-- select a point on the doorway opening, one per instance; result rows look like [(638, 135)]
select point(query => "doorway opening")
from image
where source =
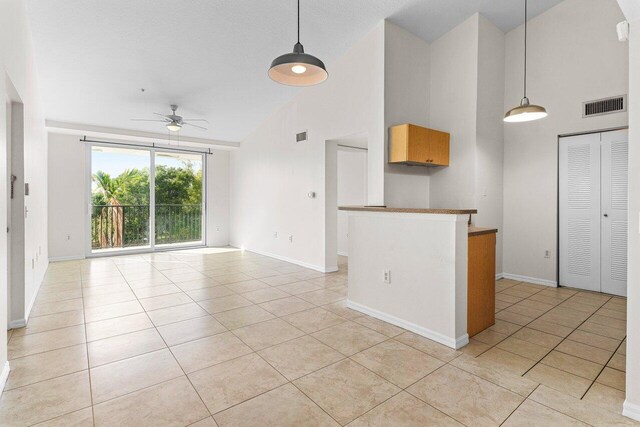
[(347, 166), (145, 199), (18, 270), (5, 195), (352, 190), (593, 216)]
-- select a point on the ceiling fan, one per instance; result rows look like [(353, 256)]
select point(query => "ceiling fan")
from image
[(173, 122)]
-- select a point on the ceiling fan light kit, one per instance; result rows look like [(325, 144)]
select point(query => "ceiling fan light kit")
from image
[(174, 126), (525, 112), (298, 68)]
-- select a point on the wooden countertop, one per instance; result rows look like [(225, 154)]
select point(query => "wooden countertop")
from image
[(409, 210), (478, 231)]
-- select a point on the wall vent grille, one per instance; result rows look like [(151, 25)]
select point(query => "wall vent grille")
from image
[(616, 104), (301, 137)]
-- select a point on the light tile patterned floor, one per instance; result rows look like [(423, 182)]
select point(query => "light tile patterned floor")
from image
[(231, 338)]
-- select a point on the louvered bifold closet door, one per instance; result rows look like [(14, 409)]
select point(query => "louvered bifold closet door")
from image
[(615, 160), (579, 195)]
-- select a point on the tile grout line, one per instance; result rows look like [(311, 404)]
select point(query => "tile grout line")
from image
[(533, 320), (168, 348), (388, 338), (602, 370), (84, 326), (563, 339), (59, 376)]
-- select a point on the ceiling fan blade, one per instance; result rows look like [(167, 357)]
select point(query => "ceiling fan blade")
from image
[(147, 120), (195, 126), (196, 120), (164, 116)]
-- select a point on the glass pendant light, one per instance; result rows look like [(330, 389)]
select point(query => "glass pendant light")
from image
[(298, 68), (526, 111)]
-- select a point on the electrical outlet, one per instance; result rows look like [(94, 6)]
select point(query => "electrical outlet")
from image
[(275, 235), (291, 238), (68, 236), (218, 229), (547, 254), (386, 276)]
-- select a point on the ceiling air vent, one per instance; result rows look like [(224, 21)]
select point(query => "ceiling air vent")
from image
[(301, 137), (616, 104)]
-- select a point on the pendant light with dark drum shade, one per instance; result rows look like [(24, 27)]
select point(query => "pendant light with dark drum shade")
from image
[(526, 111), (298, 68)]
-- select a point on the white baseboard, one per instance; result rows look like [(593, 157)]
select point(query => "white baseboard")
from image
[(4, 375), (27, 312), (66, 258), (534, 280), (499, 276), (18, 323), (427, 333), (343, 253), (319, 268), (631, 410), (21, 323)]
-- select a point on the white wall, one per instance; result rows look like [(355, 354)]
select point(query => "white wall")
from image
[(454, 91), (67, 208), (426, 256), (271, 174), (489, 132), (632, 404), (436, 86), (218, 199), (67, 205), (352, 189), (467, 85), (18, 71), (406, 100), (574, 56)]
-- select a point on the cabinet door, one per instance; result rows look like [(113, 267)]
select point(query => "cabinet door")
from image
[(481, 283), (418, 145), (439, 148)]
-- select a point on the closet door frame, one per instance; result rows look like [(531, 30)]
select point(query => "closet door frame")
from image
[(558, 223)]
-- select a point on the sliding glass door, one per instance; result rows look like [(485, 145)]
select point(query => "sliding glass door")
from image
[(120, 198), (145, 199), (179, 207)]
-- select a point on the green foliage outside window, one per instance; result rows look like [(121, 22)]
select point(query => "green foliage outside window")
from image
[(120, 213)]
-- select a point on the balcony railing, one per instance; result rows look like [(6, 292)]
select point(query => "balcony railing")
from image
[(125, 226)]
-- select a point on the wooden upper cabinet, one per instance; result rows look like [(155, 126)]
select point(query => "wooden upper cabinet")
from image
[(415, 145)]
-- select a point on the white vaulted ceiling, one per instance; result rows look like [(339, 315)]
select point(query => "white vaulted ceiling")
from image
[(209, 56)]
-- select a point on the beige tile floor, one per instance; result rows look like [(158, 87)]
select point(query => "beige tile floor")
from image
[(231, 338)]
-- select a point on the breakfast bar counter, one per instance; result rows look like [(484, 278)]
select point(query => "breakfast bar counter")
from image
[(411, 267)]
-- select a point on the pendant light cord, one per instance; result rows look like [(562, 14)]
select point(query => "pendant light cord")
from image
[(525, 48), (298, 21)]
